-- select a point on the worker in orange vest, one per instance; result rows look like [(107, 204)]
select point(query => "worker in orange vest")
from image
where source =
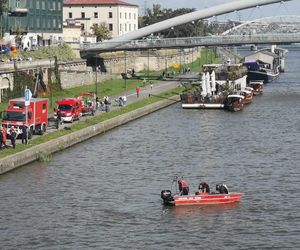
[(183, 187), (4, 132)]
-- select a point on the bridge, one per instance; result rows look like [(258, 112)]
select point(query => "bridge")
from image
[(189, 42), (111, 45)]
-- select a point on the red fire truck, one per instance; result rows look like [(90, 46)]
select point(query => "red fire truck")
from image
[(69, 109), (37, 115)]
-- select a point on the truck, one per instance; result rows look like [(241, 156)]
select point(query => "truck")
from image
[(37, 115), (88, 103), (68, 109)]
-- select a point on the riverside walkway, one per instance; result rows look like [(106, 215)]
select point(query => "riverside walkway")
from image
[(157, 88), (33, 152)]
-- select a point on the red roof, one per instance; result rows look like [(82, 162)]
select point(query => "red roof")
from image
[(97, 2)]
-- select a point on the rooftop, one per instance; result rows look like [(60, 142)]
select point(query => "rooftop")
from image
[(97, 2)]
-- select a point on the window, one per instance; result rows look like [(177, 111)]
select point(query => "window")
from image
[(43, 5), (129, 15), (82, 15), (110, 15), (134, 16), (125, 27), (17, 3), (54, 5), (44, 106), (120, 27), (120, 15), (82, 26), (70, 15), (110, 26), (125, 15), (95, 14)]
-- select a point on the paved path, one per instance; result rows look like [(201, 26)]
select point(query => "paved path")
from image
[(158, 87)]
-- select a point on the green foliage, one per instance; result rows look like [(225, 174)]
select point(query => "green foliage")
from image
[(62, 52), (156, 14), (92, 121), (3, 6), (101, 31), (44, 157)]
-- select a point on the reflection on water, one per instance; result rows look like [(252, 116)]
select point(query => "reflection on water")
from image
[(200, 210), (105, 193)]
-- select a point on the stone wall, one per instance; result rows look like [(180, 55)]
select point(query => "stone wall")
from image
[(76, 73)]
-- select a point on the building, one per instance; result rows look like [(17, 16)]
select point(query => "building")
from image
[(120, 17), (40, 21)]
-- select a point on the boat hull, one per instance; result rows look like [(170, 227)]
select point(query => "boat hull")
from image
[(205, 199), (202, 105), (264, 76)]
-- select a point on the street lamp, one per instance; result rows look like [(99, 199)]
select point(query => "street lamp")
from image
[(50, 82), (96, 72)]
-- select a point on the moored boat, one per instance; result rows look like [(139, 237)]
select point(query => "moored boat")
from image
[(217, 81), (258, 87), (248, 96), (234, 102)]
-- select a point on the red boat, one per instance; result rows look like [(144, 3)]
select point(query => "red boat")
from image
[(234, 103), (199, 199), (258, 87)]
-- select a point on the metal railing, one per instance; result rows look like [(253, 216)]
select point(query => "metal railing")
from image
[(229, 40)]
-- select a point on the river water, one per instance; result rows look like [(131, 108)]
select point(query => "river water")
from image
[(105, 193)]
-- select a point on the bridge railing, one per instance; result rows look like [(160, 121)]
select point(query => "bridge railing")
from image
[(194, 41)]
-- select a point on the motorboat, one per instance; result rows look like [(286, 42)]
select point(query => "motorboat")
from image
[(248, 96), (258, 87), (199, 199), (234, 102)]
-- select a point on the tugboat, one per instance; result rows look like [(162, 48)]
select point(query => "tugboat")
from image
[(222, 196)]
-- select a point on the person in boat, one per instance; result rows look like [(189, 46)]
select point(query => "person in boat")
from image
[(222, 188), (183, 187), (204, 188)]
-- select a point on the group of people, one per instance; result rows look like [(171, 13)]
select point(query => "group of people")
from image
[(104, 105), (203, 188), (11, 134), (121, 101)]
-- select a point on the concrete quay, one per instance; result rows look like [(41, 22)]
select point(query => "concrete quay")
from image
[(32, 154)]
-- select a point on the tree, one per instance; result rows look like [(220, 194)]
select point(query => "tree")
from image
[(3, 6), (3, 9), (101, 31), (156, 14)]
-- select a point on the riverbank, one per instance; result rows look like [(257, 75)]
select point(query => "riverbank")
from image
[(35, 152)]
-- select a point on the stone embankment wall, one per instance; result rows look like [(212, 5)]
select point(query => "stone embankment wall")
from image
[(32, 154)]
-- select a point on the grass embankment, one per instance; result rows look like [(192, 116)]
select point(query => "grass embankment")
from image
[(62, 52), (108, 88), (92, 121)]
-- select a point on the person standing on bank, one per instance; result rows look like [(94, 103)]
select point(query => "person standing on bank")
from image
[(137, 90), (24, 135), (4, 133), (13, 136)]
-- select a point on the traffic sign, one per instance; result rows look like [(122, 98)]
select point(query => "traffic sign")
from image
[(28, 96)]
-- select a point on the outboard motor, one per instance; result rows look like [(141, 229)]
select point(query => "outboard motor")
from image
[(222, 188), (166, 195)]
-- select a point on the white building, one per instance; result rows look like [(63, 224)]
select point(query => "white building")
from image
[(120, 17)]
